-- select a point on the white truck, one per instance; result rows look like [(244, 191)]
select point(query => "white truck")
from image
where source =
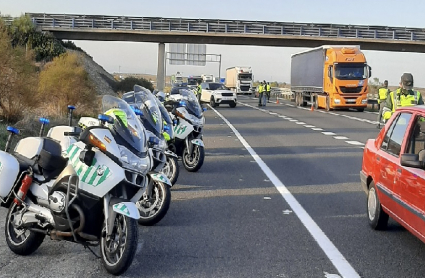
[(239, 79), (207, 78)]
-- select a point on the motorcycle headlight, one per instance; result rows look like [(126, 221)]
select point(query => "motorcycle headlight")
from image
[(133, 162)]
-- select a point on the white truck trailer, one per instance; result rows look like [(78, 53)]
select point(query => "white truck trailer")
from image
[(239, 79)]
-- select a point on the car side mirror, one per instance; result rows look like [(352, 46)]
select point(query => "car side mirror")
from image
[(411, 160)]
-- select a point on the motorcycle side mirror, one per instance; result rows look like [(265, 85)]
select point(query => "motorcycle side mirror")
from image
[(87, 157), (105, 118)]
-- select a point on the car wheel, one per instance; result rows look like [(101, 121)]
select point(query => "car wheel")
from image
[(212, 102), (378, 218), (233, 105), (360, 109), (316, 102)]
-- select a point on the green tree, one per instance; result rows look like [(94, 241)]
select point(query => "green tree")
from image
[(64, 81), (127, 84), (18, 78)]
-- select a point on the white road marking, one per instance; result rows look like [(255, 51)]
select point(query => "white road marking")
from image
[(356, 143), (317, 128), (337, 259), (328, 133), (310, 126), (291, 105), (293, 120), (341, 137), (300, 123)]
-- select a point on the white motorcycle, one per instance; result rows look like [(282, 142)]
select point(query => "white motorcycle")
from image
[(187, 143), (155, 201), (86, 196), (156, 119)]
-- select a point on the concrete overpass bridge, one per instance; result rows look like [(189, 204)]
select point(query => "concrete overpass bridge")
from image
[(228, 32)]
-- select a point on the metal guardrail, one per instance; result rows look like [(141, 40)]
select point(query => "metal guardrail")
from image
[(217, 26)]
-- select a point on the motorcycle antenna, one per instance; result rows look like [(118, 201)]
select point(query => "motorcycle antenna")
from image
[(71, 108), (44, 122)]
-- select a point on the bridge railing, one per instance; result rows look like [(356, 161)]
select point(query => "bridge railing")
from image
[(69, 21)]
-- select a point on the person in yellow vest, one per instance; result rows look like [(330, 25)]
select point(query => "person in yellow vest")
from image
[(402, 97), (199, 91), (383, 93), (260, 93), (268, 91)]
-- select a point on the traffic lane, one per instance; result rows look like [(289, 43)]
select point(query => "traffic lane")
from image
[(352, 129), (338, 206), (227, 220)]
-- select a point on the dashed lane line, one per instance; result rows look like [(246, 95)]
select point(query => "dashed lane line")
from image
[(334, 255)]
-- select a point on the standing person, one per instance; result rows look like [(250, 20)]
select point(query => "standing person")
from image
[(383, 94), (260, 93), (403, 96), (268, 91), (199, 91)]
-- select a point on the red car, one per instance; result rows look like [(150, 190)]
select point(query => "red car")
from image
[(393, 175)]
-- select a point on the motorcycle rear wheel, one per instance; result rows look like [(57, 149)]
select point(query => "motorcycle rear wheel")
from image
[(21, 241)]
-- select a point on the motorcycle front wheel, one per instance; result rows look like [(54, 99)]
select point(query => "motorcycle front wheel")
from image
[(152, 209), (193, 162), (171, 169), (119, 248)]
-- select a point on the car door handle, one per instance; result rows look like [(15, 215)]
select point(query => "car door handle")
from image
[(399, 170), (378, 158)]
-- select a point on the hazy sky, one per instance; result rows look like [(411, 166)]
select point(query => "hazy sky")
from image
[(270, 63)]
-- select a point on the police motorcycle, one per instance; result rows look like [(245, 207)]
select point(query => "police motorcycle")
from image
[(84, 193), (154, 121), (155, 200), (188, 116)]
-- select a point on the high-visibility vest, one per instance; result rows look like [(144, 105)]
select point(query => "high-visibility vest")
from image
[(268, 88), (401, 100), (260, 88), (383, 94), (199, 89)]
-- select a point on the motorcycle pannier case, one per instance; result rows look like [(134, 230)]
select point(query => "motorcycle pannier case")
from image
[(9, 169)]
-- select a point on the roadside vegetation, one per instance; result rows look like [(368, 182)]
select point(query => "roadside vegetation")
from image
[(40, 76)]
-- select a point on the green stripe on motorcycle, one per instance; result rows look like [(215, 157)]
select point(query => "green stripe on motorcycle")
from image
[(103, 178), (71, 157)]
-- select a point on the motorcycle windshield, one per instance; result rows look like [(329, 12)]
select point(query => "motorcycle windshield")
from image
[(144, 100), (166, 117), (192, 104), (127, 129)]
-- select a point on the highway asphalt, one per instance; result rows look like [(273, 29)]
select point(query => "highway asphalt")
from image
[(234, 218)]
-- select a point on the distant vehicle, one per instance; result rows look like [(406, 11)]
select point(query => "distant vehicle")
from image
[(393, 175), (192, 81), (239, 79), (330, 77), (217, 93), (207, 77), (176, 79)]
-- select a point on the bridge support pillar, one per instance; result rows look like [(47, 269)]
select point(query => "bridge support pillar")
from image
[(160, 75)]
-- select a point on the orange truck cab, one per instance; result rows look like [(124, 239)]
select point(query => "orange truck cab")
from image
[(330, 77)]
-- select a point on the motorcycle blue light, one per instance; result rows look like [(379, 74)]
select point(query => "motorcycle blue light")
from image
[(12, 129), (204, 109), (174, 121), (44, 121), (137, 111), (166, 128), (105, 118), (182, 103), (153, 140), (71, 107)]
